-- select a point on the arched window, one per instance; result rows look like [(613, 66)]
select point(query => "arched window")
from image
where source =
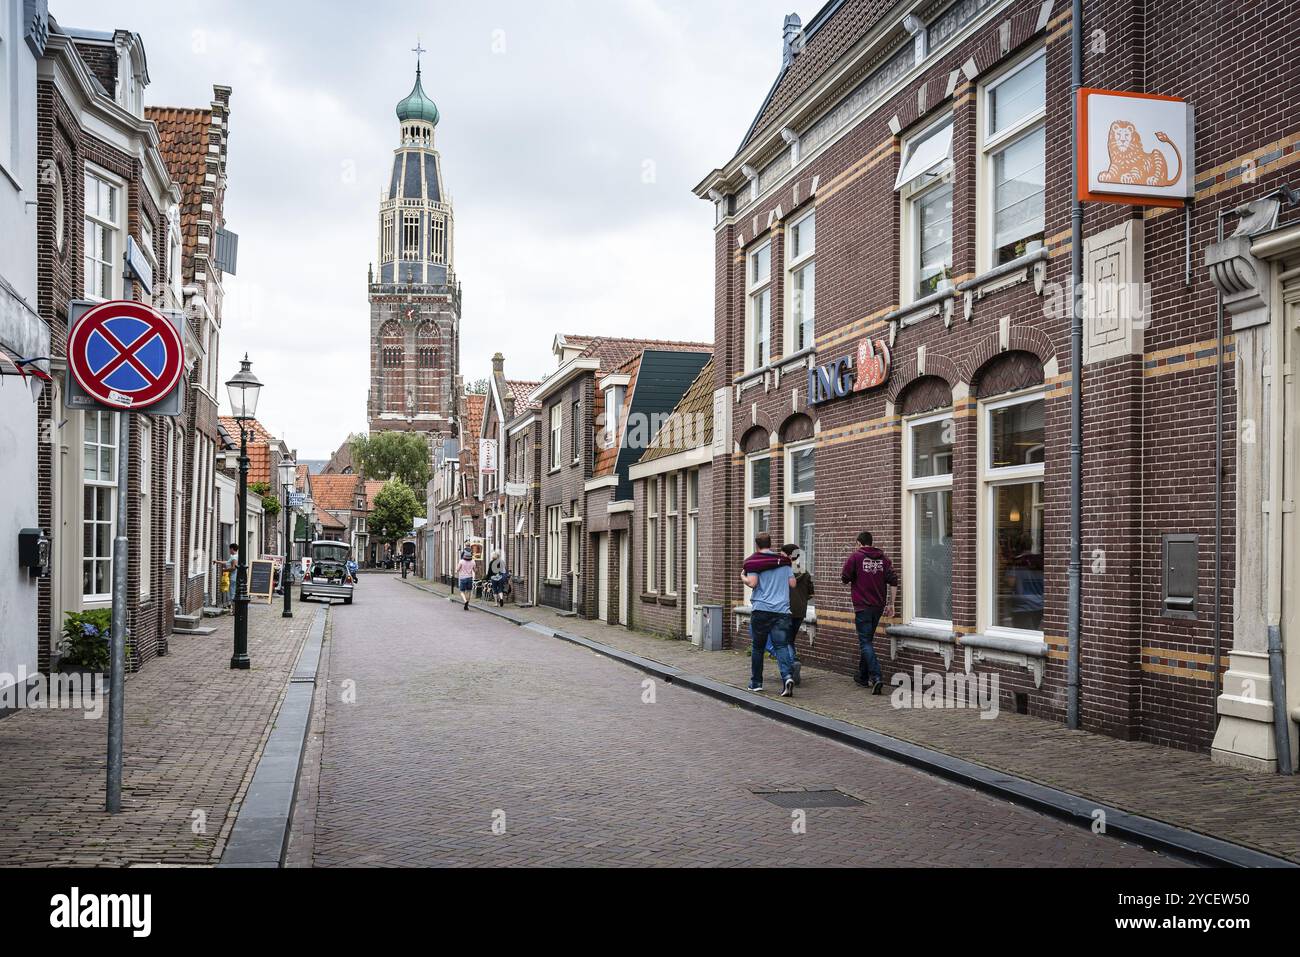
[(426, 349), (392, 359)]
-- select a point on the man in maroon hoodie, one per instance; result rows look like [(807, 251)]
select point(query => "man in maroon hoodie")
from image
[(871, 576)]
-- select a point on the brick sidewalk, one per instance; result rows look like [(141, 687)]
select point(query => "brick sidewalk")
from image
[(1177, 787), (193, 731)]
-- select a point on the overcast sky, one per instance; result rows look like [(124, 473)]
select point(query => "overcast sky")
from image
[(572, 132)]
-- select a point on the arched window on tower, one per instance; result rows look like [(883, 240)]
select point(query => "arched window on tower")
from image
[(437, 239), (392, 359), (410, 236), (387, 251), (426, 348)]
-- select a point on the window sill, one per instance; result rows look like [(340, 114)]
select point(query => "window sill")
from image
[(1027, 653), (927, 307), (751, 374), (553, 582), (649, 598), (1006, 275), (802, 357), (668, 601), (940, 641)]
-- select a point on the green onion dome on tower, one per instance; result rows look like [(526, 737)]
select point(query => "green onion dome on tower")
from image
[(417, 106)]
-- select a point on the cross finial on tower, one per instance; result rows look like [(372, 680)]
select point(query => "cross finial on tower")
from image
[(418, 50)]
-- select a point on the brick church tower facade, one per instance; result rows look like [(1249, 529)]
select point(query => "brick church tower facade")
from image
[(415, 300)]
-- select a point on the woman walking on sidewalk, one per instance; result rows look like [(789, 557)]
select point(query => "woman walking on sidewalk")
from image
[(465, 574), (498, 577)]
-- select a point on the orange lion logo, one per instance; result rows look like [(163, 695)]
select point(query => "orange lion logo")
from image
[(1133, 166)]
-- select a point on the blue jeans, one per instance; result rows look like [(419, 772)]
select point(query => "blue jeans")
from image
[(764, 625), (866, 621)]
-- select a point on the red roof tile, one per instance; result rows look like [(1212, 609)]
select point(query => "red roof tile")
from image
[(474, 416), (335, 492), (183, 142)]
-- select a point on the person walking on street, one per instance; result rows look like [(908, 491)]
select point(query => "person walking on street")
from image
[(871, 577), (767, 572), (800, 592), (465, 576), (498, 577)]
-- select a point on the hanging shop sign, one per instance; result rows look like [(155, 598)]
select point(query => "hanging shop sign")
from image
[(487, 456), (867, 369), (1135, 148)]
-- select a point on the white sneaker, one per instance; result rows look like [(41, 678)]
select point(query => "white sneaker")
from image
[(788, 690)]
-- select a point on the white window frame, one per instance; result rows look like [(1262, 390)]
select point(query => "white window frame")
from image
[(387, 238), (175, 255), (795, 264), (912, 486), (651, 535), (989, 146), (752, 504), (410, 236), (575, 440), (11, 16), (989, 480), (557, 435), (105, 485), (115, 228), (146, 507), (554, 542), (614, 396), (912, 193), (793, 499), (758, 291), (671, 512)]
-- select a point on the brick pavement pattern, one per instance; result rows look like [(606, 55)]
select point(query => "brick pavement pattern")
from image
[(193, 730), (459, 716), (1178, 787)]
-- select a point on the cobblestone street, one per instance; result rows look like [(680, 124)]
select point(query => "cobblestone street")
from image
[(193, 730), (462, 721)]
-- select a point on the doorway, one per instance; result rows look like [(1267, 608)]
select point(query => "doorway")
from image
[(602, 576)]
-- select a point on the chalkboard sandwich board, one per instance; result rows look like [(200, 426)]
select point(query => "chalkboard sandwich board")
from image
[(260, 576)]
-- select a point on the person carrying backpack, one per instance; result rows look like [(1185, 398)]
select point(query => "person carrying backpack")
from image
[(870, 576)]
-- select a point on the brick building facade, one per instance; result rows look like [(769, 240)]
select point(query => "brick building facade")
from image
[(571, 402), (104, 179), (905, 191)]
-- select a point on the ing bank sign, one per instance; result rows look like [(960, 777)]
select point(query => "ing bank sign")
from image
[(868, 369)]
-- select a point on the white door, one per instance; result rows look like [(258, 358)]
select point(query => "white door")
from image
[(624, 579), (692, 572), (602, 576)]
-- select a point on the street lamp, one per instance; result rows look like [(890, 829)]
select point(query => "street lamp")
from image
[(244, 389), (288, 482)]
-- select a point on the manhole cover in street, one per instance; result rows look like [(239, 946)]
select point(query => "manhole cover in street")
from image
[(794, 800)]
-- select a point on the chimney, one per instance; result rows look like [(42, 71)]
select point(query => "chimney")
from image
[(792, 37), (498, 363)]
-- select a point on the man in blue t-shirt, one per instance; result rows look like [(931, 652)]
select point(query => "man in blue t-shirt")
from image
[(767, 572)]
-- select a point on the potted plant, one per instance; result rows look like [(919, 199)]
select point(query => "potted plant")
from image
[(84, 647)]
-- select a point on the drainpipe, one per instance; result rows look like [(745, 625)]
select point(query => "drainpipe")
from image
[(1218, 497), (1076, 375)]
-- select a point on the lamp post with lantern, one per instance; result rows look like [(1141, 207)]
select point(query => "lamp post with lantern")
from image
[(244, 389), (288, 482)]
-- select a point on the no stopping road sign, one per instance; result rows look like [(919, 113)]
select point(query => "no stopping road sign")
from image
[(125, 355)]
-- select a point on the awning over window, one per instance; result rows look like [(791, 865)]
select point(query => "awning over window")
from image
[(928, 154)]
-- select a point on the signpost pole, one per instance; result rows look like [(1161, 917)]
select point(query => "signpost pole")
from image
[(117, 639)]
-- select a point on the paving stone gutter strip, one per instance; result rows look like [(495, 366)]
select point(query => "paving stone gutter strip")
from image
[(261, 830), (1157, 835)]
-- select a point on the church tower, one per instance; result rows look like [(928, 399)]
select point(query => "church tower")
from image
[(414, 296)]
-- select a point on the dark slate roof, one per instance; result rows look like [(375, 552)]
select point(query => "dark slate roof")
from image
[(662, 380), (679, 432)]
